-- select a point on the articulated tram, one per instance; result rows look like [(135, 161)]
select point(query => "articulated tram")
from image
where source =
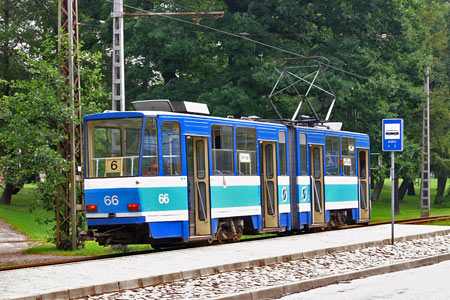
[(165, 175)]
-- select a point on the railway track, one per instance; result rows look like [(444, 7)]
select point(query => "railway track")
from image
[(416, 221)]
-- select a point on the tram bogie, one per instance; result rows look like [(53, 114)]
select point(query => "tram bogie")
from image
[(165, 177)]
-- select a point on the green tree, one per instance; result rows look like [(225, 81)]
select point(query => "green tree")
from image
[(435, 15), (440, 144), (385, 41), (22, 28), (33, 116)]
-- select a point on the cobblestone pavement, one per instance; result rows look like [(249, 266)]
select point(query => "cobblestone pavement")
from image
[(208, 287)]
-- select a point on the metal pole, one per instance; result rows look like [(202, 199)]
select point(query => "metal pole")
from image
[(73, 187), (118, 63), (425, 197), (67, 192), (428, 138), (392, 195)]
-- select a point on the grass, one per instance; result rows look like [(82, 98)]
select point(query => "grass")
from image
[(409, 208), (90, 249), (26, 215), (9, 264)]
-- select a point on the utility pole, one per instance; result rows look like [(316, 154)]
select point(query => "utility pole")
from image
[(425, 184), (118, 63), (69, 194)]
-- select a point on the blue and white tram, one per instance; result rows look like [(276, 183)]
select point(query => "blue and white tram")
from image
[(166, 177)]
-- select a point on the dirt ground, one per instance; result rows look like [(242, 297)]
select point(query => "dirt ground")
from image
[(12, 247)]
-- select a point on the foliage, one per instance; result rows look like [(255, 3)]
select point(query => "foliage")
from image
[(435, 15), (32, 119), (378, 50), (23, 26), (387, 44)]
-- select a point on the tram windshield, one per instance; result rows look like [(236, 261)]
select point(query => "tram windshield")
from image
[(113, 147)]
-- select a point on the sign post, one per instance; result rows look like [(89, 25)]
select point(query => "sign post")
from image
[(392, 141)]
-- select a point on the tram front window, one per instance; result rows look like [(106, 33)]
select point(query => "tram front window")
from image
[(113, 147)]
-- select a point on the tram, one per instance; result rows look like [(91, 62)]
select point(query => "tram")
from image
[(168, 173)]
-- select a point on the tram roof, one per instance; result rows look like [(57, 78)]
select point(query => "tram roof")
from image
[(135, 114), (131, 114)]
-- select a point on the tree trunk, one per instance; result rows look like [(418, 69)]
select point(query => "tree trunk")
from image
[(377, 190), (442, 180), (403, 189), (7, 194), (411, 190), (396, 198)]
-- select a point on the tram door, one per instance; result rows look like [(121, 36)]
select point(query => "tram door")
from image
[(269, 184), (198, 181), (363, 183), (317, 195)]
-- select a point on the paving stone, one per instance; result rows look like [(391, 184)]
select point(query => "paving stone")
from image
[(264, 281), (249, 257)]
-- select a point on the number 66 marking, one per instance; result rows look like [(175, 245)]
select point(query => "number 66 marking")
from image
[(114, 200), (163, 198)]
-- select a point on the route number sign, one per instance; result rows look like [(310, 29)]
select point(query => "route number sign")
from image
[(113, 165)]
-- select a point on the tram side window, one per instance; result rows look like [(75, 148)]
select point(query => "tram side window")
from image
[(246, 150), (348, 157), (171, 148), (332, 153), (150, 151), (282, 152), (222, 150), (303, 157)]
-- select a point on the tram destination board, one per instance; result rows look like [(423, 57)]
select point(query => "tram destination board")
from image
[(393, 135)]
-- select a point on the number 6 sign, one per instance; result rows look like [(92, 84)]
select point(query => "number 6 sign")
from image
[(113, 165)]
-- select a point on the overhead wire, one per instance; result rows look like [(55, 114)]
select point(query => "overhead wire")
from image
[(244, 36), (241, 36)]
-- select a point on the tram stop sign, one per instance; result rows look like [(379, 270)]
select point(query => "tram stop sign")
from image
[(393, 135)]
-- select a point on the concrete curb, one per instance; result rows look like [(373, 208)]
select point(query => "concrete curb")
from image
[(259, 294), (301, 286)]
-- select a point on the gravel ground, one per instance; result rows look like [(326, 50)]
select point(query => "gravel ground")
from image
[(287, 272), (12, 247)]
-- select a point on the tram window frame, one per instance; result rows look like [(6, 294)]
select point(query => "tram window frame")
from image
[(282, 153), (303, 155), (129, 144), (122, 136), (171, 167), (332, 155), (222, 158), (150, 167), (246, 151), (348, 156)]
